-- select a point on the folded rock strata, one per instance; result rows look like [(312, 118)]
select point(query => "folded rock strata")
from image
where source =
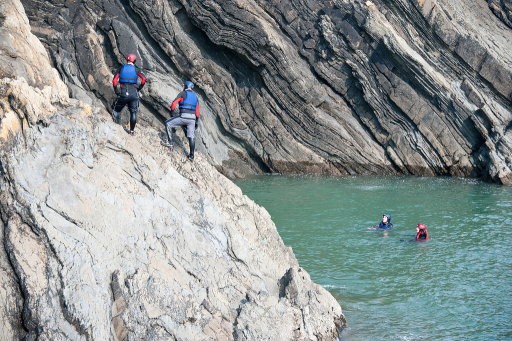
[(107, 236), (332, 87)]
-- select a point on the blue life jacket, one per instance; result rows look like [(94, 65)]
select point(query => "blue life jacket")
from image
[(128, 74), (189, 102), (385, 226)]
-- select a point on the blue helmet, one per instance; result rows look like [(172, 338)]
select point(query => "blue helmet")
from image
[(188, 84)]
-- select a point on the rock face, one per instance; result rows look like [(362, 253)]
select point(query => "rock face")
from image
[(107, 236), (503, 10), (339, 87)]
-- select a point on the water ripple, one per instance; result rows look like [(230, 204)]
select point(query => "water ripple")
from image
[(454, 287)]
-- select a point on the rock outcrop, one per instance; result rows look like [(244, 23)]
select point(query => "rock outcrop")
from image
[(111, 237), (107, 236), (340, 87), (503, 10)]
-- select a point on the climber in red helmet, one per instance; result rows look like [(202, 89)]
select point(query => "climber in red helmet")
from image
[(127, 86)]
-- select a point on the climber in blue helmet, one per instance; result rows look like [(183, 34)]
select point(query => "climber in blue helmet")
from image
[(188, 118), (188, 85)]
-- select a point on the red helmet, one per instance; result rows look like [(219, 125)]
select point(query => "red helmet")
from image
[(422, 226), (131, 58)]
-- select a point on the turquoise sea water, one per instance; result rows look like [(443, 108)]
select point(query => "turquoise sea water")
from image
[(456, 286)]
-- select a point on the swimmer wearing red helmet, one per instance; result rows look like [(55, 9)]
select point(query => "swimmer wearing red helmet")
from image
[(421, 232)]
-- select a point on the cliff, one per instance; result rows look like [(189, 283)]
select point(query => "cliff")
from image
[(107, 236), (336, 87)]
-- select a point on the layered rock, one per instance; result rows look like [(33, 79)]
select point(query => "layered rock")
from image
[(107, 236), (502, 9), (339, 87)]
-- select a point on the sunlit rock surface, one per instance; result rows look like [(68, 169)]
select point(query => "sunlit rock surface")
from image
[(107, 236)]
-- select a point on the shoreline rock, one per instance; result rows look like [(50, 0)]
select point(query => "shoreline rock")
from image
[(107, 236)]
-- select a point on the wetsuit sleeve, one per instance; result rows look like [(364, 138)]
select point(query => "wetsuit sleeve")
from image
[(177, 100), (115, 80), (143, 79)]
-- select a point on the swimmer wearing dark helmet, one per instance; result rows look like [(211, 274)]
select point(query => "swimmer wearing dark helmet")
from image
[(385, 222)]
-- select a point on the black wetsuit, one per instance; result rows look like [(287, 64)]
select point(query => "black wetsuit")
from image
[(127, 94)]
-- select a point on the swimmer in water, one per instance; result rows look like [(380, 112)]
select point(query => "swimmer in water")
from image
[(421, 232), (384, 224)]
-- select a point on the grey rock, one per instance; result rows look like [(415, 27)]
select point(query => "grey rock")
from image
[(111, 237), (339, 87), (117, 242), (108, 236), (502, 9), (302, 87)]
